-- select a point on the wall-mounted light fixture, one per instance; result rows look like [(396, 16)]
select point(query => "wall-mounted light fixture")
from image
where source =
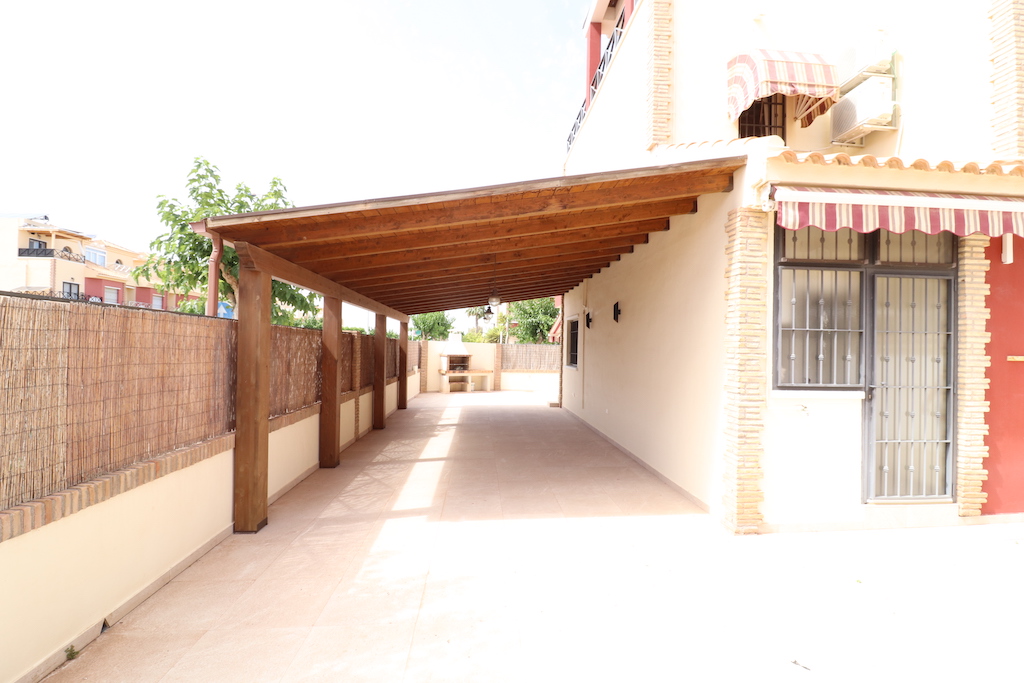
[(589, 320), (616, 311), (488, 314)]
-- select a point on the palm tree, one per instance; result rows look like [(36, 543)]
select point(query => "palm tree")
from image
[(476, 313)]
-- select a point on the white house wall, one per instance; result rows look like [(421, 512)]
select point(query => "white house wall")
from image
[(614, 133), (653, 382)]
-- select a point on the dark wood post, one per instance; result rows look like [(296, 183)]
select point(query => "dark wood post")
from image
[(330, 369), (380, 370), (403, 366), (252, 400)]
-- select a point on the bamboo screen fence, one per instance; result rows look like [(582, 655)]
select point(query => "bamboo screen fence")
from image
[(536, 357), (87, 389)]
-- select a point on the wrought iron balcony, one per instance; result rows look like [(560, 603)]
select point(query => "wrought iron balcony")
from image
[(602, 68), (52, 253)]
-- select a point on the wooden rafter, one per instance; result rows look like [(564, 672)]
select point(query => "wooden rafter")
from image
[(409, 255)]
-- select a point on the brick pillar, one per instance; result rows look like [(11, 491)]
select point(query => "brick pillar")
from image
[(747, 322), (423, 365), (498, 349), (1006, 36), (357, 373), (659, 74), (971, 383)]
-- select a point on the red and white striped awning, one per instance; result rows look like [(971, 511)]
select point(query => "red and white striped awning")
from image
[(763, 73), (834, 208)]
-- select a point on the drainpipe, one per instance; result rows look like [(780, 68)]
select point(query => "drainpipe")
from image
[(213, 274)]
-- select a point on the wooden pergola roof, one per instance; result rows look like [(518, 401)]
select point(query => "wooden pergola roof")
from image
[(448, 250)]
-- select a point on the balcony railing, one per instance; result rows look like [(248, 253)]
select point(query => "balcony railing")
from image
[(52, 253), (602, 68)]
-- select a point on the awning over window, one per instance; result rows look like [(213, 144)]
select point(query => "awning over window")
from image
[(834, 208), (763, 73)]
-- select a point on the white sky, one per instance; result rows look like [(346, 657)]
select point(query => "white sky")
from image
[(105, 104)]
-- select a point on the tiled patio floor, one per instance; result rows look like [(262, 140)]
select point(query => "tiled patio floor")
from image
[(487, 537)]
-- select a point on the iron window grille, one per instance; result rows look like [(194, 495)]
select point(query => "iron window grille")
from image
[(764, 117), (573, 349)]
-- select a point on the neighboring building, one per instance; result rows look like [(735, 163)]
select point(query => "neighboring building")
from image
[(36, 256), (834, 342)]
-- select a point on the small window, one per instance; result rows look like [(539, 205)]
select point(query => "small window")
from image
[(36, 244), (97, 256), (765, 117), (110, 295), (67, 250), (158, 301), (71, 290), (118, 262), (573, 352)]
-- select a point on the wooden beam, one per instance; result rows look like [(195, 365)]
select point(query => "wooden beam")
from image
[(403, 366), (380, 370), (484, 281), (385, 262), (680, 171), (466, 299), (436, 279), (330, 387), (252, 401), (322, 228), (547, 230), (251, 256), (457, 264)]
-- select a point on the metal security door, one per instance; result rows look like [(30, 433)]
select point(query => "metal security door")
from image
[(910, 389)]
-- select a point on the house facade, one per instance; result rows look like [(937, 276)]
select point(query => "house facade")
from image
[(832, 342), (37, 256)]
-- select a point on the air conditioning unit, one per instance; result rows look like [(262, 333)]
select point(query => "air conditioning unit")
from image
[(864, 109)]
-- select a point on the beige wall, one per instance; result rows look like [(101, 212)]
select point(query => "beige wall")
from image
[(61, 581), (934, 124), (545, 383), (365, 413), (294, 454), (413, 386), (653, 381)]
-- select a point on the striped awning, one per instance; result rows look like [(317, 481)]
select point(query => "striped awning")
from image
[(834, 208), (762, 73)]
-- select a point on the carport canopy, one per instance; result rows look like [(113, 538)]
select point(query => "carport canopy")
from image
[(417, 254), (448, 250)]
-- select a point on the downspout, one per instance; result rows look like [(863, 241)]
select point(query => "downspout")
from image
[(213, 273), (213, 276)]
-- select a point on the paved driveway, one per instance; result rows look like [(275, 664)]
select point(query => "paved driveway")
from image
[(488, 537)]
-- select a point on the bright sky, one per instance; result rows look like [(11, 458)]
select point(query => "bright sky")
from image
[(106, 103)]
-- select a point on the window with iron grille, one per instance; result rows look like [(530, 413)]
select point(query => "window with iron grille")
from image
[(573, 348), (824, 290), (766, 116)]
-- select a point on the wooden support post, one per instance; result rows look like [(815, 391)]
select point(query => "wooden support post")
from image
[(403, 366), (380, 370), (252, 401), (330, 372)]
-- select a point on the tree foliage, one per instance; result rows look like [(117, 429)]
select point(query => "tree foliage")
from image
[(534, 319), (476, 313), (433, 326), (180, 258)]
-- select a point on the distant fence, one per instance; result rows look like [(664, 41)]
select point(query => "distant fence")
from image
[(535, 357)]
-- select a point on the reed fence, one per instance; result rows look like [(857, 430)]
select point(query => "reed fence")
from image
[(536, 357), (86, 390)]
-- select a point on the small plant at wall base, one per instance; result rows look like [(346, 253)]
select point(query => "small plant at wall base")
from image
[(181, 258), (71, 653), (433, 326)]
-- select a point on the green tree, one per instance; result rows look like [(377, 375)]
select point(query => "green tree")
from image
[(473, 336), (534, 319), (180, 258), (476, 313), (433, 326)]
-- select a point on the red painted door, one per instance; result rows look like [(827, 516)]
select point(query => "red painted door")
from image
[(1005, 463)]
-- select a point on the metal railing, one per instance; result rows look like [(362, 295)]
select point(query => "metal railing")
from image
[(602, 68), (52, 253)]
